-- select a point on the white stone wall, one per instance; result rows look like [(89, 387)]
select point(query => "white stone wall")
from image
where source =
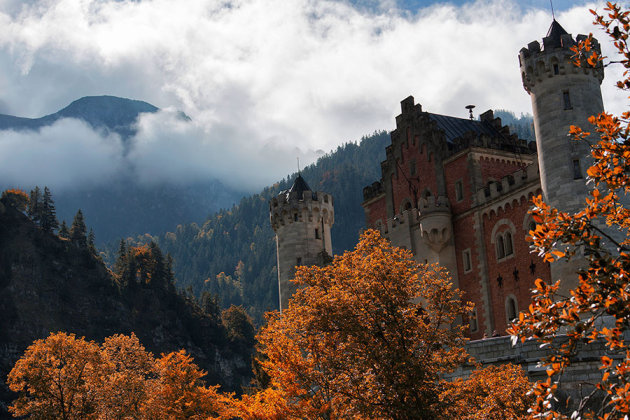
[(296, 239)]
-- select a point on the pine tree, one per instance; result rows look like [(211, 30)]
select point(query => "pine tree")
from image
[(48, 217), (63, 231), (122, 257), (90, 242), (78, 230), (35, 204)]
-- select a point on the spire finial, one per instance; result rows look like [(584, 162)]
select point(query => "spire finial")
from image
[(470, 108), (553, 15), (298, 164)]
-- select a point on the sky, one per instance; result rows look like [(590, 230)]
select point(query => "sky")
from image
[(264, 81)]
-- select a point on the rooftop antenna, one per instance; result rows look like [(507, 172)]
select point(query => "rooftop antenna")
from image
[(470, 108), (553, 15)]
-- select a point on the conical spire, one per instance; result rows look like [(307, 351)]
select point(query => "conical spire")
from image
[(554, 35), (298, 187)]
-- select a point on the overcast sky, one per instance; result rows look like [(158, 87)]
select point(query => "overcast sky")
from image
[(264, 81)]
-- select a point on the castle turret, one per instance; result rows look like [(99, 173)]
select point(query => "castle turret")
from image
[(302, 220), (562, 95)]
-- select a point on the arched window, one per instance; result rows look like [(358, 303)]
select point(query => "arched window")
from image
[(474, 326), (509, 249), (500, 247), (511, 308)]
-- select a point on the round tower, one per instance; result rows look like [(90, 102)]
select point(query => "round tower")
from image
[(302, 220), (562, 95)]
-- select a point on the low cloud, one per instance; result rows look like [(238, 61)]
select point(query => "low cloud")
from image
[(63, 155), (265, 81), (166, 149)]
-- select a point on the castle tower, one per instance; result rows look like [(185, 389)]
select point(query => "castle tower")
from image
[(302, 220), (562, 95)]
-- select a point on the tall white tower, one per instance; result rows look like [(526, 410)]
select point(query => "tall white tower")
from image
[(302, 220), (562, 95)]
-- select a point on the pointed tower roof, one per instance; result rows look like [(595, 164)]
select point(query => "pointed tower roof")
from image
[(298, 187), (554, 35)]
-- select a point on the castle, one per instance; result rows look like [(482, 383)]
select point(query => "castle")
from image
[(457, 191)]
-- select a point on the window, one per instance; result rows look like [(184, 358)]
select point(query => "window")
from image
[(473, 321), (412, 167), (577, 170), (459, 190), (505, 246), (511, 309), (508, 244), (295, 217), (567, 100), (556, 70), (299, 261), (500, 247), (316, 233), (466, 260)]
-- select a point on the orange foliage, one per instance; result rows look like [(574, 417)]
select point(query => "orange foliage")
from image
[(491, 393), (69, 378), (57, 378), (365, 337), (15, 198), (601, 232)]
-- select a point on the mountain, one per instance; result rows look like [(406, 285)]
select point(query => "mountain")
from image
[(48, 284), (233, 253), (122, 207), (100, 112)]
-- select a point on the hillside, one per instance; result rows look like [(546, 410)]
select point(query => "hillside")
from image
[(48, 284), (123, 207), (233, 254)]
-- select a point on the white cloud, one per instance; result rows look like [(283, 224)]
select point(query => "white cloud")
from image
[(266, 80), (62, 155)]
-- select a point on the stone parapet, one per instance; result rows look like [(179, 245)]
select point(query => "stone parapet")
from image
[(282, 208), (507, 185)]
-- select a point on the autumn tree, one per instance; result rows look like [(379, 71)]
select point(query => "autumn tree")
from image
[(128, 371), (15, 198), (56, 378), (64, 377), (598, 308), (366, 336), (178, 393), (490, 393)]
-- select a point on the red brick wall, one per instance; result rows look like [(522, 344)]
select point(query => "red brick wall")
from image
[(497, 168), (458, 170), (425, 176), (376, 211), (464, 234), (520, 260)]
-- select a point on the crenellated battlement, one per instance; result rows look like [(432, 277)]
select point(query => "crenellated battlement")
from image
[(374, 190), (507, 185), (286, 209), (555, 59), (432, 204)]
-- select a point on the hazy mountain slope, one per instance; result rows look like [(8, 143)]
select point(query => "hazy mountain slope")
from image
[(122, 207), (233, 254), (49, 285)]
